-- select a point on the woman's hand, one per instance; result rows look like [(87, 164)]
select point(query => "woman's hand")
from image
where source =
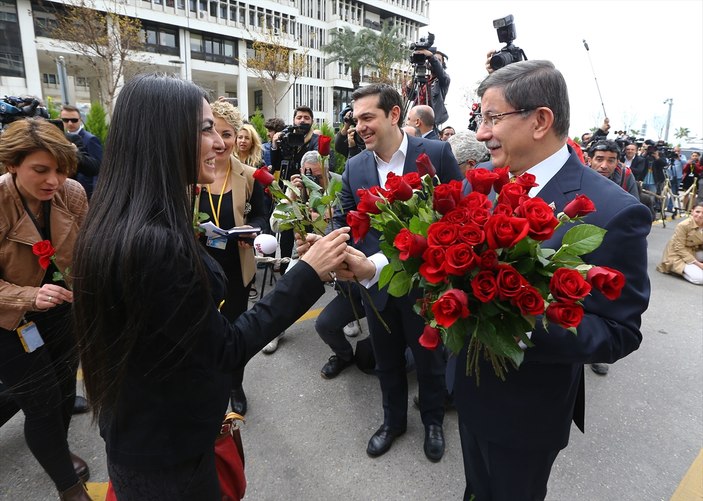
[(50, 295), (327, 253), (242, 243)]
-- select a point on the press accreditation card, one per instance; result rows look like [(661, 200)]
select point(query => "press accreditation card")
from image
[(30, 337), (217, 242)]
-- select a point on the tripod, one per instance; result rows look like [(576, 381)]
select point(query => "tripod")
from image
[(418, 81)]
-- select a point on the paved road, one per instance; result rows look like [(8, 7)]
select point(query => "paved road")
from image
[(305, 437)]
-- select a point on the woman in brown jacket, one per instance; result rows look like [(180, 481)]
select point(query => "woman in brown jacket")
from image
[(684, 252), (38, 356)]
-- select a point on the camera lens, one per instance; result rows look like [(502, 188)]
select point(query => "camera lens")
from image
[(501, 59)]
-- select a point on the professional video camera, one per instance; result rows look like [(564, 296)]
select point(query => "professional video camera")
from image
[(293, 136), (506, 34), (419, 61), (13, 108)]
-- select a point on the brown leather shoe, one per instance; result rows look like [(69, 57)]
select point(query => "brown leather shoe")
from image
[(75, 493), (80, 467)]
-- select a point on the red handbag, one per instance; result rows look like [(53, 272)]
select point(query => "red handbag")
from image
[(229, 461)]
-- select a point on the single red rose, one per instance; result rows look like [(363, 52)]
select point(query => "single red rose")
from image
[(503, 232), (432, 268), (509, 280), (459, 259), (413, 179), (263, 176), (424, 165), (399, 188), (471, 234), (442, 234), (430, 338), (484, 286), (503, 210), (526, 180), (44, 262), (367, 202), (475, 200), (608, 281), (488, 259), (540, 217), (451, 306), (446, 196), (479, 216), (503, 178), (323, 145), (579, 206), (458, 216), (568, 285), (481, 180), (530, 301), (359, 222), (409, 244), (511, 195), (564, 314), (43, 248)]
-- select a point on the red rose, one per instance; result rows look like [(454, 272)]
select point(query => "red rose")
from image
[(530, 301), (424, 165), (359, 222), (458, 216), (511, 195), (399, 188), (503, 210), (568, 285), (451, 306), (413, 179), (481, 180), (540, 217), (446, 196), (459, 259), (442, 234), (505, 231), (488, 260), (607, 280), (503, 178), (263, 176), (471, 234), (432, 268), (509, 280), (476, 200), (484, 286), (430, 338), (367, 201), (480, 216), (409, 244), (526, 180), (44, 250), (196, 190), (564, 314), (323, 145), (579, 206)]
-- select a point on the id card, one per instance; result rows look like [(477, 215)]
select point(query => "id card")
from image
[(30, 337), (217, 242)]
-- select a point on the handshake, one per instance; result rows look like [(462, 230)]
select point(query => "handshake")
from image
[(332, 258)]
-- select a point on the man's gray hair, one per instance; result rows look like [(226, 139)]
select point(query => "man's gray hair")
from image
[(466, 147), (312, 157), (530, 85)]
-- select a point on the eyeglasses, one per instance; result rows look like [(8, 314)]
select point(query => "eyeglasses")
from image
[(72, 120), (493, 119)]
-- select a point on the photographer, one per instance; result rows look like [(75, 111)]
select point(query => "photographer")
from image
[(434, 91), (347, 141)]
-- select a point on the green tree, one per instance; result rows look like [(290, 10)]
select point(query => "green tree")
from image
[(96, 121), (54, 112), (353, 48), (258, 121), (387, 49), (682, 133)]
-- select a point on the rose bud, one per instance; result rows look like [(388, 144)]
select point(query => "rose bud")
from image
[(579, 206), (263, 176)]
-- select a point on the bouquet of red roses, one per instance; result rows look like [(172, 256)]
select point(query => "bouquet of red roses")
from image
[(480, 264)]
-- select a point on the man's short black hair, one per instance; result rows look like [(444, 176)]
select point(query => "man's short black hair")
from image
[(304, 109), (388, 97), (604, 145), (275, 124)]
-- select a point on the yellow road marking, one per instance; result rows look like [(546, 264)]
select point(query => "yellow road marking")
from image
[(691, 486), (97, 490), (310, 314)]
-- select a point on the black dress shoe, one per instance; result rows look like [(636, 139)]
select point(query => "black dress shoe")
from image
[(80, 405), (334, 366), (238, 400), (80, 467), (382, 440), (434, 442), (600, 369)]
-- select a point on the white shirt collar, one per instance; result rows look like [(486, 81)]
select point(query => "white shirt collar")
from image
[(396, 164), (547, 169)]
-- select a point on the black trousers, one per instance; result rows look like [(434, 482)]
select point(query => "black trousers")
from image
[(389, 349), (497, 473), (236, 303), (338, 313), (43, 385)]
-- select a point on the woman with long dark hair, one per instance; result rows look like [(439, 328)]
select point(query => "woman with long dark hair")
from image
[(41, 211), (157, 354)]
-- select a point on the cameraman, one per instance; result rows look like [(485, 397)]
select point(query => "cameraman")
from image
[(347, 141), (437, 85)]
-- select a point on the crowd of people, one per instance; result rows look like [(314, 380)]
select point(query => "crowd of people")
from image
[(159, 313)]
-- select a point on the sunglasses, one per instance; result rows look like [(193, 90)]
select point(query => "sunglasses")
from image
[(72, 120)]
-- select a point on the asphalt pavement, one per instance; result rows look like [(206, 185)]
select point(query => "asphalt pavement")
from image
[(305, 437)]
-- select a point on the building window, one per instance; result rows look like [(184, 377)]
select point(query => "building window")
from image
[(50, 80), (259, 100), (211, 48), (11, 57), (82, 82), (160, 39)]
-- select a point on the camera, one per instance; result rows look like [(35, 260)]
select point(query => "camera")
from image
[(419, 61), (293, 136), (349, 120), (13, 108), (506, 34)]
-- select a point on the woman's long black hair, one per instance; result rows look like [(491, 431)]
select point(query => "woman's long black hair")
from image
[(140, 217)]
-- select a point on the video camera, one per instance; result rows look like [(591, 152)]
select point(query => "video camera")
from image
[(506, 34), (293, 136), (419, 61), (13, 108)]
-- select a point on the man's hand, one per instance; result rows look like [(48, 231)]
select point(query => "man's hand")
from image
[(355, 266), (350, 137), (489, 55), (303, 245), (327, 253), (606, 125)]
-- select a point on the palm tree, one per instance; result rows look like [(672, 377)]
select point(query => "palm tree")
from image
[(682, 133), (388, 48), (351, 48)]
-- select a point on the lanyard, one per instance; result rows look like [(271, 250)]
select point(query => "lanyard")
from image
[(216, 213)]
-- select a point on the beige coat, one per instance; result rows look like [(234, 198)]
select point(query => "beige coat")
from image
[(242, 182), (20, 273), (681, 249)]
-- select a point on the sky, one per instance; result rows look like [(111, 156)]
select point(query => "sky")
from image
[(642, 53)]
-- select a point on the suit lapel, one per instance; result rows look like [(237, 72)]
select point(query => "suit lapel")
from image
[(238, 182), (415, 147)]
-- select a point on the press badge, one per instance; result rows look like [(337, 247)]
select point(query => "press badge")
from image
[(217, 242), (30, 337)]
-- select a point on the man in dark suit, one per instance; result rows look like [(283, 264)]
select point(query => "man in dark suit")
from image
[(512, 431), (72, 122), (422, 117), (377, 109)]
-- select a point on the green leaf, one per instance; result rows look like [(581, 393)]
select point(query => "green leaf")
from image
[(400, 284), (582, 239), (57, 276), (385, 277), (455, 337)]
